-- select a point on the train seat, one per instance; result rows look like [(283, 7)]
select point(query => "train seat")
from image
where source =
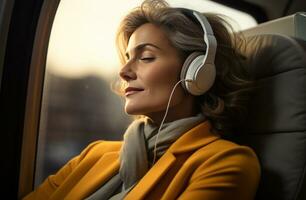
[(276, 124)]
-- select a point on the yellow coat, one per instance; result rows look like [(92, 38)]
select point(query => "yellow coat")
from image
[(199, 165)]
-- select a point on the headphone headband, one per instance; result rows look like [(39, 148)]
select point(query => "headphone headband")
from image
[(200, 69)]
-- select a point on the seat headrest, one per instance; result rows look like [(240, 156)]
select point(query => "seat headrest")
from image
[(276, 125), (278, 64), (273, 54)]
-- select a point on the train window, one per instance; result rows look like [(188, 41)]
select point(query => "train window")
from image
[(78, 104)]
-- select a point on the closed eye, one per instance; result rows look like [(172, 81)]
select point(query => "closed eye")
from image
[(147, 59)]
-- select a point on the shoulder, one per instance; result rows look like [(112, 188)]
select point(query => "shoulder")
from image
[(225, 151), (222, 170), (228, 157), (104, 145), (222, 146), (100, 147), (93, 152)]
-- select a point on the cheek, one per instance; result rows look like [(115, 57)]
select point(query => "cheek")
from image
[(161, 75), (161, 78), (160, 87), (158, 80)]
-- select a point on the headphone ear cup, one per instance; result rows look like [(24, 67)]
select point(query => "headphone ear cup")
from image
[(200, 75), (186, 66)]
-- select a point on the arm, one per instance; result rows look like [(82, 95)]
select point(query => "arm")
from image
[(231, 174), (49, 186)]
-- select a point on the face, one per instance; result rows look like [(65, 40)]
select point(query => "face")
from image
[(152, 69)]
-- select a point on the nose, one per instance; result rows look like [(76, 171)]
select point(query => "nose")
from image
[(127, 73)]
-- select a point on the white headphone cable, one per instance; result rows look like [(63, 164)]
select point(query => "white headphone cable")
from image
[(161, 124)]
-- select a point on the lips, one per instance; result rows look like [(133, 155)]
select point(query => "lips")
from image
[(132, 90)]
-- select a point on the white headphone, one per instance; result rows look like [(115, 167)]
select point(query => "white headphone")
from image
[(198, 72), (199, 69)]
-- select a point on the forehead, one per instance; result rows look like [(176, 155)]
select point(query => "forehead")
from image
[(149, 33)]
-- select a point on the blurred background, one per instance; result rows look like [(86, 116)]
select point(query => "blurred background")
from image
[(78, 105)]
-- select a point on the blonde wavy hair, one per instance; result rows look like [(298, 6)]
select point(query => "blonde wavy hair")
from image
[(225, 103)]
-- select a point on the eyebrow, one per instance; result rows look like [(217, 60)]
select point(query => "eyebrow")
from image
[(140, 47)]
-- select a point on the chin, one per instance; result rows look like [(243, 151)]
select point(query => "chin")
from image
[(131, 110), (138, 110)]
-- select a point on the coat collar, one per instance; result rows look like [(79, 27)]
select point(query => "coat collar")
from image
[(192, 140), (102, 170), (195, 138)]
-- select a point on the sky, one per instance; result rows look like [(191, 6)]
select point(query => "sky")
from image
[(82, 40)]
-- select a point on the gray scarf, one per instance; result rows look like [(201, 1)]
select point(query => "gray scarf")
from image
[(137, 151)]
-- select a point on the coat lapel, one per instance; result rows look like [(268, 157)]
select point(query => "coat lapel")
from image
[(105, 167), (192, 140), (151, 177)]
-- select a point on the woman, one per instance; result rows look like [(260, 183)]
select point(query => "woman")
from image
[(175, 150)]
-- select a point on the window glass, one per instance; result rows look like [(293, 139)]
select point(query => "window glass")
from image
[(78, 104)]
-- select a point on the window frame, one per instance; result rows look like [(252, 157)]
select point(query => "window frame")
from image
[(34, 96)]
